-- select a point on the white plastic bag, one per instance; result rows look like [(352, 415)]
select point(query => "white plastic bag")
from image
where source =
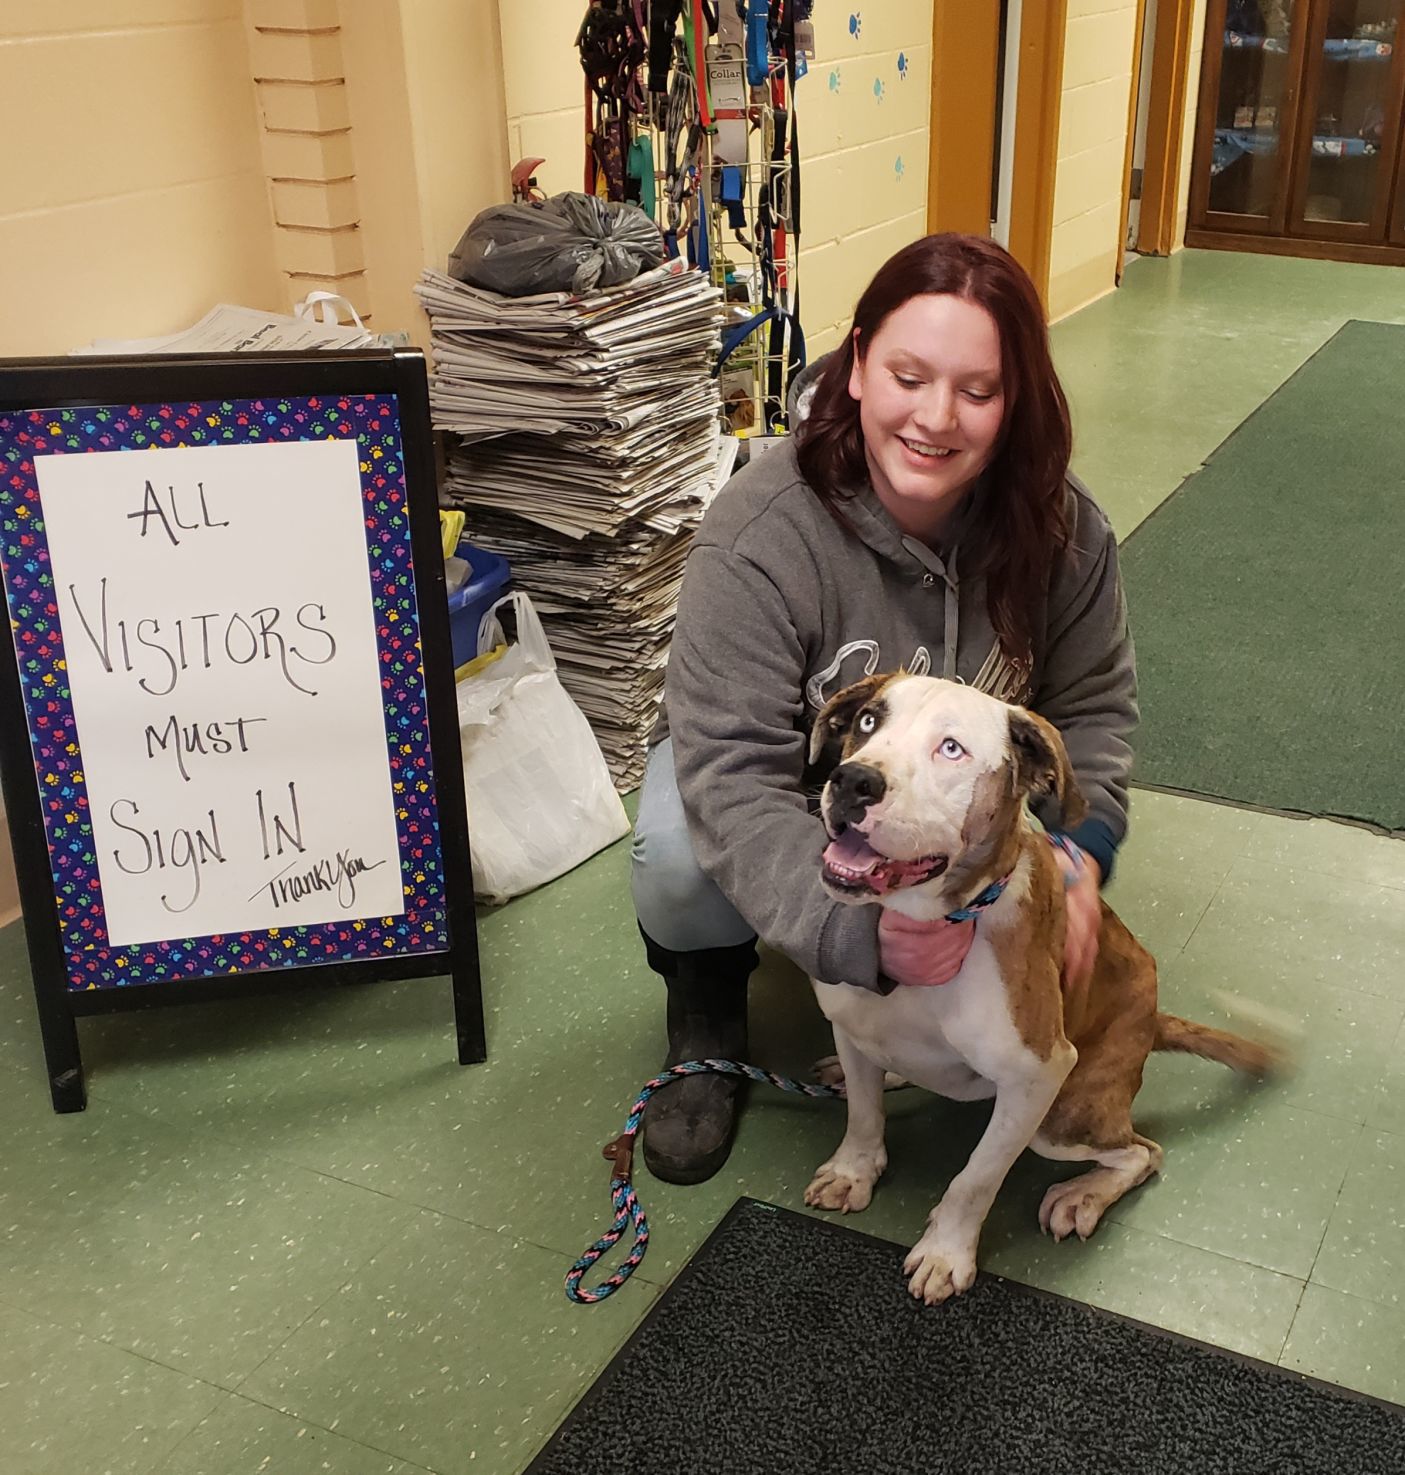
[(540, 799)]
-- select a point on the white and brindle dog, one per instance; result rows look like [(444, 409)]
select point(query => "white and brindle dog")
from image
[(926, 813)]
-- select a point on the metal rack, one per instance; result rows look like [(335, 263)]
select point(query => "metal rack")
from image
[(735, 216)]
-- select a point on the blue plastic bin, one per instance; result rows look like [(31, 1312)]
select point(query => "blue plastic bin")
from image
[(467, 606)]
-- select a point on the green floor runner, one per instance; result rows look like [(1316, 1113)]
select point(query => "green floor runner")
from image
[(1267, 599)]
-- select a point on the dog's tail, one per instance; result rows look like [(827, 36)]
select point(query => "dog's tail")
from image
[(1259, 1058)]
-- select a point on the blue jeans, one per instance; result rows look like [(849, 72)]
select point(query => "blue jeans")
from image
[(677, 905)]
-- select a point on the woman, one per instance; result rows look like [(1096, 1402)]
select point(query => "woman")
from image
[(921, 516)]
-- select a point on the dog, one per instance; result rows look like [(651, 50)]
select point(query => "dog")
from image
[(927, 813)]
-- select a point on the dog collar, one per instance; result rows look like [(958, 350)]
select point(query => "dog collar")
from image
[(987, 898), (996, 889), (1076, 863)]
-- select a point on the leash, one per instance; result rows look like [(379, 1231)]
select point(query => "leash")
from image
[(620, 1154)]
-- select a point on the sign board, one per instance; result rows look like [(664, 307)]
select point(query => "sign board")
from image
[(231, 680)]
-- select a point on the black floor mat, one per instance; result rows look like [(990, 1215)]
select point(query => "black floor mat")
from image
[(790, 1344)]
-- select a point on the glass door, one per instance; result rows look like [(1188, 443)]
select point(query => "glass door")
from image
[(1246, 147), (1348, 140)]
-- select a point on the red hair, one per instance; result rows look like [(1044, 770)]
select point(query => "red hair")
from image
[(1020, 523)]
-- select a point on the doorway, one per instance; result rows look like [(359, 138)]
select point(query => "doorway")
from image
[(997, 75)]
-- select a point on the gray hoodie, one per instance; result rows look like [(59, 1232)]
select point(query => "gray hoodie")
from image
[(781, 607)]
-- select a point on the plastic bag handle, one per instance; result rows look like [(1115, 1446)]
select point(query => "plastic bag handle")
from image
[(326, 307), (531, 637)]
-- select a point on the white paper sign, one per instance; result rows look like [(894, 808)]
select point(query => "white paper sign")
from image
[(221, 647)]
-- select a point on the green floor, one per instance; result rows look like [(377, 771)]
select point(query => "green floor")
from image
[(299, 1238)]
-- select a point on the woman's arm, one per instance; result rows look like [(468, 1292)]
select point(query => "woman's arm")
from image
[(735, 707), (1088, 679)]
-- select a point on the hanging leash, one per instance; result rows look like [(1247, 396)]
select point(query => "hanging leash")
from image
[(620, 1153), (613, 42)]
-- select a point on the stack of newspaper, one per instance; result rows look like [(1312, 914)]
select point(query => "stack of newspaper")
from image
[(586, 448), (230, 329)]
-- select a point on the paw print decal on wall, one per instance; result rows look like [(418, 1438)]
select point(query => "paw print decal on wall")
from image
[(878, 89), (834, 80), (902, 66), (900, 168), (855, 24)]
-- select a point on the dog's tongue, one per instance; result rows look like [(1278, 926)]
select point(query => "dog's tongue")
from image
[(852, 852)]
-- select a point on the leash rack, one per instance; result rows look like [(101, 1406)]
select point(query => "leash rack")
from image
[(691, 114)]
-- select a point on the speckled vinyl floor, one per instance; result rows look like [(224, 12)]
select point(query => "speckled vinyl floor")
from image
[(294, 1236)]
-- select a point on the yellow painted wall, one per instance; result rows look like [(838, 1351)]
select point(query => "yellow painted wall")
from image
[(145, 200), (453, 72), (863, 135), (1097, 85), (544, 89), (864, 115), (134, 193), (425, 94)]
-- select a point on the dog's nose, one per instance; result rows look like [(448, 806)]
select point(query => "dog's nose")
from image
[(853, 787)]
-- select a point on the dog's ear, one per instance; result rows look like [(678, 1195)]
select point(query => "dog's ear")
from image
[(840, 710), (1041, 764)]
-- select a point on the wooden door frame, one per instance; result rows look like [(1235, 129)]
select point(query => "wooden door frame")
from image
[(1138, 46), (961, 153), (1165, 126), (1395, 222), (965, 56), (1038, 110)]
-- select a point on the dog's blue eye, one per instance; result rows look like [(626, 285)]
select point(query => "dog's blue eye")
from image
[(950, 748), (867, 723)]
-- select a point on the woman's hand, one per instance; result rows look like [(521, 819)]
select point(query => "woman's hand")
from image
[(1084, 921), (925, 954), (922, 954)]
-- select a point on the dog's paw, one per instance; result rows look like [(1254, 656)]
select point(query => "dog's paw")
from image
[(1074, 1206), (829, 1072), (847, 1188), (936, 1272)]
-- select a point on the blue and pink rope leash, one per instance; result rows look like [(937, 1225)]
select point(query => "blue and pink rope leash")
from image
[(620, 1152)]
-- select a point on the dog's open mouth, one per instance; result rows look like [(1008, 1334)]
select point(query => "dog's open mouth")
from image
[(853, 866)]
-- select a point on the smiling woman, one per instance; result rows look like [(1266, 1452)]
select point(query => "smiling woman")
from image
[(949, 352), (921, 518), (931, 403)]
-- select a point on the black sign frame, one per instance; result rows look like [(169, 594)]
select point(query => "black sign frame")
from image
[(58, 383)]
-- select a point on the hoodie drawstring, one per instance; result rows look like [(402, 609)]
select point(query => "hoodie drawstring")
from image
[(951, 630)]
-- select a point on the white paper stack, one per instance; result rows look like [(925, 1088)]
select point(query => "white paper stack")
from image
[(587, 447), (230, 329)]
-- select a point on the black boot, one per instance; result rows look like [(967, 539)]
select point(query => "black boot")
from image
[(689, 1125)]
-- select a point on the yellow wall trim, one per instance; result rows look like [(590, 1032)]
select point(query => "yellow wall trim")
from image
[(308, 150), (1082, 285)]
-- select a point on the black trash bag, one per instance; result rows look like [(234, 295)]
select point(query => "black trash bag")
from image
[(569, 243)]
